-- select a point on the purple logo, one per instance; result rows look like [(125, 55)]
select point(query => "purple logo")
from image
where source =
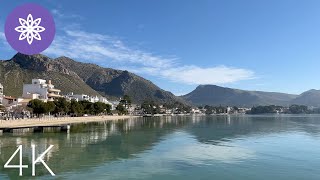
[(30, 29)]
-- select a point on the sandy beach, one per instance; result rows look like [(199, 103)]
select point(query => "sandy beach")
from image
[(57, 121)]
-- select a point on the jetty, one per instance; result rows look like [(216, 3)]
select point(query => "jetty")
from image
[(54, 124), (36, 129)]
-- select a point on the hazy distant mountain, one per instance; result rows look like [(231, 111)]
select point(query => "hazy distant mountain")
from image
[(309, 98), (216, 95), (72, 76)]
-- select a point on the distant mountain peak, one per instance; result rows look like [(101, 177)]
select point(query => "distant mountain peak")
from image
[(309, 98), (22, 57), (312, 91), (217, 95)]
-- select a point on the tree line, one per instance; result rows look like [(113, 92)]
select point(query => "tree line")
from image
[(293, 109), (214, 109), (151, 107), (62, 107)]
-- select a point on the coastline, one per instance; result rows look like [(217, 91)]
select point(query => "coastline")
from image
[(19, 123)]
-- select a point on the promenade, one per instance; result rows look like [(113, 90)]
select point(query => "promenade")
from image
[(17, 123)]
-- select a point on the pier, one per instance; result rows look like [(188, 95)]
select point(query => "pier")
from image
[(52, 125), (36, 129)]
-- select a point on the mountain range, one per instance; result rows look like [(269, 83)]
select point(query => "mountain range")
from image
[(216, 95), (73, 76)]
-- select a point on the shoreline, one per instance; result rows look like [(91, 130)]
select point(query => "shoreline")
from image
[(21, 123), (53, 121)]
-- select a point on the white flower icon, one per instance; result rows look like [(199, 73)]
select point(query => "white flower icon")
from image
[(30, 29)]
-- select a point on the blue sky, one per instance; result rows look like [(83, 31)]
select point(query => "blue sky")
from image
[(269, 45)]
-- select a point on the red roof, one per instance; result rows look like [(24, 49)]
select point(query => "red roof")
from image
[(9, 97)]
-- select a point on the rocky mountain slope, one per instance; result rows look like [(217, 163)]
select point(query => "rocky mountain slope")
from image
[(72, 76), (116, 83)]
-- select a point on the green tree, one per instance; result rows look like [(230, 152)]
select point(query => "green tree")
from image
[(108, 108), (264, 109), (88, 107), (38, 107), (62, 106), (209, 109), (126, 101), (50, 107), (76, 108), (156, 109), (121, 109), (99, 107), (147, 107), (298, 109)]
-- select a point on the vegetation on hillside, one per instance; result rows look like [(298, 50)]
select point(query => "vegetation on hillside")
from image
[(13, 76)]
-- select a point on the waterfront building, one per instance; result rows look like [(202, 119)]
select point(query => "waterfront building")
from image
[(104, 100), (1, 94), (114, 104), (195, 111), (243, 110), (93, 99), (229, 109), (12, 102), (40, 89), (84, 97), (77, 97)]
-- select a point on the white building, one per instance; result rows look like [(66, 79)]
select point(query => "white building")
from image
[(84, 97), (94, 99), (104, 100), (9, 101), (195, 111), (114, 104), (1, 94), (40, 89), (77, 97)]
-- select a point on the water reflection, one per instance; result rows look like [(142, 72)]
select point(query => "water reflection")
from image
[(224, 128), (143, 147), (177, 151), (190, 151)]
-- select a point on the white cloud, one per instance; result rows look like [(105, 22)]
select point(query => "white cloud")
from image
[(101, 48), (113, 52), (211, 75), (197, 75), (59, 14), (110, 51)]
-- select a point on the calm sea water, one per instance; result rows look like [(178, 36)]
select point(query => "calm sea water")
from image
[(203, 147)]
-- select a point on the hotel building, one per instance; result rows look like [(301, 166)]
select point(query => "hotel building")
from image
[(40, 89)]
